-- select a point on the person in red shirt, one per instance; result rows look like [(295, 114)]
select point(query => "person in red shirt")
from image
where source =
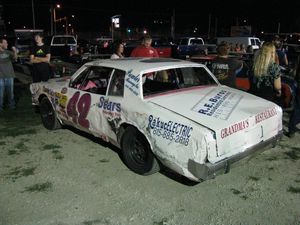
[(145, 49)]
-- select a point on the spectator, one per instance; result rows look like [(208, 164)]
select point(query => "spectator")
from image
[(224, 67), (7, 73), (249, 49), (145, 49), (265, 74), (282, 57), (118, 51), (243, 48), (237, 47), (40, 59), (295, 115)]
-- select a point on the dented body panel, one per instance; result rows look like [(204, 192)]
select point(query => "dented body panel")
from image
[(194, 130)]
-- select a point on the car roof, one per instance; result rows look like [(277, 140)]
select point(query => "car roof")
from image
[(141, 64), (63, 35), (190, 37)]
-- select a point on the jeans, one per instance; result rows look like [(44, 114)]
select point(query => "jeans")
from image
[(7, 86)]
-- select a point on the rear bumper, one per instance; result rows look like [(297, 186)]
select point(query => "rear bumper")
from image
[(208, 170)]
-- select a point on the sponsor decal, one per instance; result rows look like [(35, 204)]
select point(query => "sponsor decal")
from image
[(265, 115), (170, 130), (57, 98), (227, 131), (61, 99), (78, 109), (64, 90), (109, 108), (132, 82), (218, 104)]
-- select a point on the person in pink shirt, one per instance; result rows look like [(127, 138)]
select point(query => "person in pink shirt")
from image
[(145, 49)]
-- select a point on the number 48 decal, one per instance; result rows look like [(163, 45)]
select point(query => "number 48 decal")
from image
[(78, 109)]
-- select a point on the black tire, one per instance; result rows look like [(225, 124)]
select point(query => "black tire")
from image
[(48, 115), (137, 154)]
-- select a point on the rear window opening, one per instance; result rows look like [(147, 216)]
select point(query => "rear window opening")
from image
[(61, 40), (174, 79)]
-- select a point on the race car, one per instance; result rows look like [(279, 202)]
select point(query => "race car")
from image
[(161, 112)]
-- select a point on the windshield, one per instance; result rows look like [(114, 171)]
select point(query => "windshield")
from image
[(178, 78), (64, 40), (196, 42)]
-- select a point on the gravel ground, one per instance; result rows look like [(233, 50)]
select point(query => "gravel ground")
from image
[(68, 178)]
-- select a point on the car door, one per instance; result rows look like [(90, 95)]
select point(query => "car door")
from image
[(111, 105), (85, 94)]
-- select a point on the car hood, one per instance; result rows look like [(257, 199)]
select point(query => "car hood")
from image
[(58, 82), (228, 112)]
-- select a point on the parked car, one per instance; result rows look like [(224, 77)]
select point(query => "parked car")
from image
[(161, 112), (164, 48), (23, 47), (188, 46), (63, 46)]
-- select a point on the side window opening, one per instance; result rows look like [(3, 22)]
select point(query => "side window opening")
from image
[(80, 78), (95, 80), (116, 87)]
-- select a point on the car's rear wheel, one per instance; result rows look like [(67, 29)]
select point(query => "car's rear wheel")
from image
[(48, 115), (137, 153)]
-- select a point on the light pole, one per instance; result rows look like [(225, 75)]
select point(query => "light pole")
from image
[(51, 21), (33, 16), (114, 21), (73, 27), (54, 16)]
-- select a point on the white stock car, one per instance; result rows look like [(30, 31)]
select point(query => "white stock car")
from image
[(161, 112)]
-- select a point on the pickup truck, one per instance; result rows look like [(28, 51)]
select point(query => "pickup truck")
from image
[(63, 46), (189, 46)]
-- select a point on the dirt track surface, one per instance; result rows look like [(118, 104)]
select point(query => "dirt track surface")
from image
[(67, 178)]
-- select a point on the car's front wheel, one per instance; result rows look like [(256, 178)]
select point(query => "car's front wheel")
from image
[(48, 115), (137, 153)]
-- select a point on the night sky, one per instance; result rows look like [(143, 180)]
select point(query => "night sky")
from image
[(95, 17)]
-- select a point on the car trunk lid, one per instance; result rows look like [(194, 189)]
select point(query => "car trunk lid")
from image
[(229, 113)]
